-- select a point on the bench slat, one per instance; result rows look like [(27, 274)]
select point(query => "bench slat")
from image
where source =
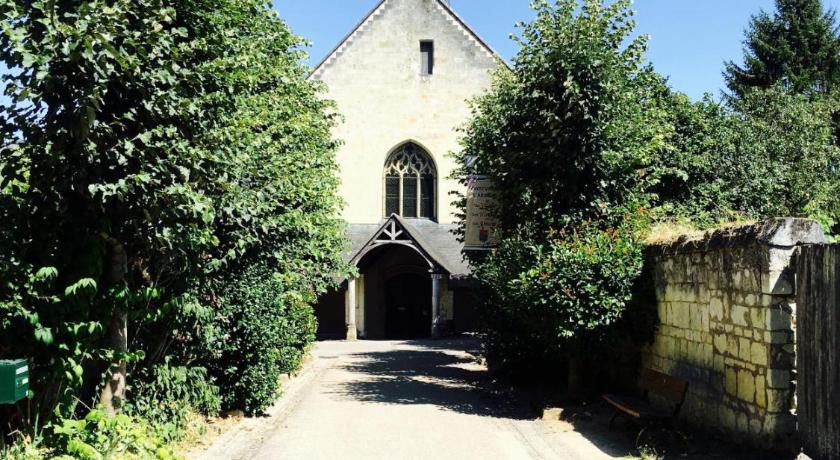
[(653, 383), (636, 407)]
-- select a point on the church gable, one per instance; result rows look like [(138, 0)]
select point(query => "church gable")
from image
[(404, 75), (383, 23)]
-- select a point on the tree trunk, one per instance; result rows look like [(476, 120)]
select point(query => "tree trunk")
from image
[(113, 393)]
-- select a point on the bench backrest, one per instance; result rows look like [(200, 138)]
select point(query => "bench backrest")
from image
[(663, 385)]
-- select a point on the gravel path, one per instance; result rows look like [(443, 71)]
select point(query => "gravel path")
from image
[(398, 400)]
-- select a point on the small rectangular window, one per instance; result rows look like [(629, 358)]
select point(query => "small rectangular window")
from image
[(427, 57)]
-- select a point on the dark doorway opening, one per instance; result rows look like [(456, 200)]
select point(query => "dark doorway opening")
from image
[(408, 303)]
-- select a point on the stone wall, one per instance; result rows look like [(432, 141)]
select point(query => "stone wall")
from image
[(726, 305)]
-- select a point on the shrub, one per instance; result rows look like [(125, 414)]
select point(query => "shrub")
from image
[(169, 396), (269, 324), (551, 298), (98, 436)]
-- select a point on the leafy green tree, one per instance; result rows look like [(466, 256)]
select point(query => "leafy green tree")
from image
[(797, 46), (569, 136), (109, 216), (278, 231), (769, 154), (781, 160), (154, 152)]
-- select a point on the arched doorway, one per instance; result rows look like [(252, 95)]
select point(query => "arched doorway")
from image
[(397, 294), (408, 307)]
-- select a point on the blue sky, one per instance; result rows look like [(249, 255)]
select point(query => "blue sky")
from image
[(689, 39)]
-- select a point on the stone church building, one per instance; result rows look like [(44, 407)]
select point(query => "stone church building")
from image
[(401, 80)]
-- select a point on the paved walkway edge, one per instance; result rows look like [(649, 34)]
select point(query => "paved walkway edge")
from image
[(241, 440)]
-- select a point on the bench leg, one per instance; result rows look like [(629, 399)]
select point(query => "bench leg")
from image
[(612, 420)]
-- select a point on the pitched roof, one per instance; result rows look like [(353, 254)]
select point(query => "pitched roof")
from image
[(436, 241), (379, 9)]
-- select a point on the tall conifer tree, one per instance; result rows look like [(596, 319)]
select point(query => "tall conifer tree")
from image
[(797, 46)]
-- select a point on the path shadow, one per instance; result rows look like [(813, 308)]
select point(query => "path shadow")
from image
[(431, 373)]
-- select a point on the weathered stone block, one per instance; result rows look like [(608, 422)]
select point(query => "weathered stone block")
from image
[(755, 427), (757, 316), (552, 413), (740, 315), (702, 295), (731, 381), (667, 344), (744, 349), (778, 337), (760, 392), (728, 418), (746, 386), (779, 319), (720, 343), (778, 379), (707, 355), (778, 278), (719, 365), (743, 423), (778, 400), (781, 357), (732, 345), (673, 292), (680, 315), (758, 353), (716, 308), (662, 309), (778, 282)]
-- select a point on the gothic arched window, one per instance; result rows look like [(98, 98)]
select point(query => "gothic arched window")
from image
[(410, 182)]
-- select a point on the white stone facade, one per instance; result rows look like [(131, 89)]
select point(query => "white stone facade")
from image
[(375, 78)]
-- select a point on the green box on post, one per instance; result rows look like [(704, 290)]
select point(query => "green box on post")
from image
[(14, 380)]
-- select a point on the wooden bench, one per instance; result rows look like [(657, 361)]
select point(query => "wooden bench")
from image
[(651, 383)]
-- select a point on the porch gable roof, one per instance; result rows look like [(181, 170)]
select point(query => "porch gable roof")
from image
[(437, 243)]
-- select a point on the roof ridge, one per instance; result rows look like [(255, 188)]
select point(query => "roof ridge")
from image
[(345, 42), (379, 9), (468, 31)]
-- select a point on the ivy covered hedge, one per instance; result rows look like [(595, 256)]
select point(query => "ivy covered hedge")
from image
[(166, 187)]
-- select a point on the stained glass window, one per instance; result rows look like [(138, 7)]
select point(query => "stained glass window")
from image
[(410, 183), (392, 195)]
